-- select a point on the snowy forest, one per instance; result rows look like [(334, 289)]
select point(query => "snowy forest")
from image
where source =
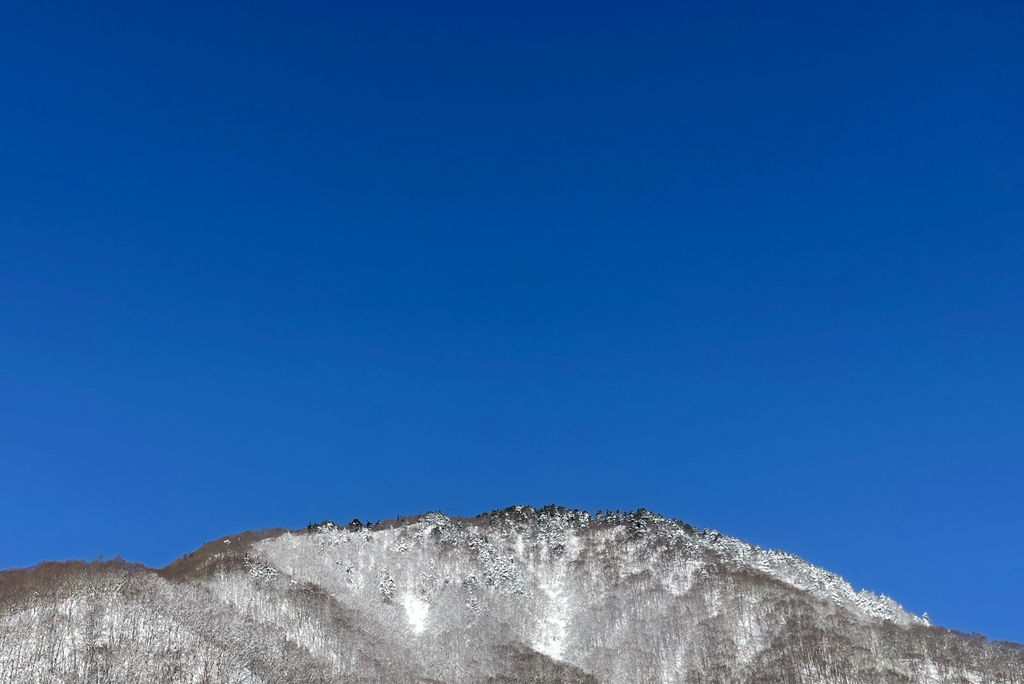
[(516, 595)]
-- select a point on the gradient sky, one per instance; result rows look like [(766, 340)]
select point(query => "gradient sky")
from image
[(759, 266)]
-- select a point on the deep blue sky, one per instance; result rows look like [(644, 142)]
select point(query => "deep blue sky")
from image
[(754, 265)]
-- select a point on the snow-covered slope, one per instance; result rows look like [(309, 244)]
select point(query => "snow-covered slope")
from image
[(521, 594)]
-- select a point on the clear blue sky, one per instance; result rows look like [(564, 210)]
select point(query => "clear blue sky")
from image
[(759, 266)]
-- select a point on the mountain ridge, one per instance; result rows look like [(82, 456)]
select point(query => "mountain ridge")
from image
[(517, 594)]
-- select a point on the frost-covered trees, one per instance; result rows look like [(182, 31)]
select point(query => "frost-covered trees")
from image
[(518, 595)]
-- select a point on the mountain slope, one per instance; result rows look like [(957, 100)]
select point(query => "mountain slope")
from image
[(518, 595)]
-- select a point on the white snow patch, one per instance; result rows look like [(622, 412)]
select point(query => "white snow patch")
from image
[(416, 610), (555, 627)]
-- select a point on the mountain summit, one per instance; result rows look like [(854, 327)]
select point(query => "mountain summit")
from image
[(516, 595)]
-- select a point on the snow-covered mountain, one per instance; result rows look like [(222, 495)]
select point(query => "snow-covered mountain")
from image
[(517, 595)]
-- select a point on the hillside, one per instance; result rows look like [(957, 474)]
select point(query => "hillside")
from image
[(517, 595)]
